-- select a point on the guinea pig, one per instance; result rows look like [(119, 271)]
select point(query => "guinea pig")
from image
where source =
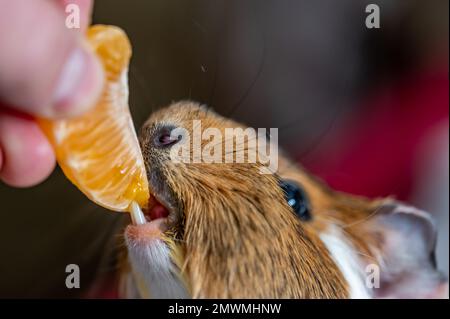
[(227, 230)]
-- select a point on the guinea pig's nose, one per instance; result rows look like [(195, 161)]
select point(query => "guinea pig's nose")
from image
[(164, 138)]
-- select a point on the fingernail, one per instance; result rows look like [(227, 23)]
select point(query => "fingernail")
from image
[(80, 84)]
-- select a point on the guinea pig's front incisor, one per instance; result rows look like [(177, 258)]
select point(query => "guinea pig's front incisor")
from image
[(225, 230)]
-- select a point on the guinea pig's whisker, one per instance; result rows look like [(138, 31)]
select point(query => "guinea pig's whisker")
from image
[(255, 79), (342, 227), (362, 220)]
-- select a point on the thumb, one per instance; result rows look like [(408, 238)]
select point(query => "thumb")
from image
[(46, 70)]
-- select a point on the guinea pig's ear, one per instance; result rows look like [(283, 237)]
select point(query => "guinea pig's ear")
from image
[(407, 249)]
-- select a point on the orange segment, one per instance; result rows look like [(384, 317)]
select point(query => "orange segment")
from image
[(99, 151)]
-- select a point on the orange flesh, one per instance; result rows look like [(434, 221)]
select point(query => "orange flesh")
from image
[(99, 151)]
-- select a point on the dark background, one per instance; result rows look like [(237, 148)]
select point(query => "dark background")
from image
[(310, 68)]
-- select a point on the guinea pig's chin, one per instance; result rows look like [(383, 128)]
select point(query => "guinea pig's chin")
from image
[(147, 233)]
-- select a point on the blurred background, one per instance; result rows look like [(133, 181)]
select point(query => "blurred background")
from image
[(364, 109)]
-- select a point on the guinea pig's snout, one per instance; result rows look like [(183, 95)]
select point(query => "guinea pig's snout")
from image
[(163, 137)]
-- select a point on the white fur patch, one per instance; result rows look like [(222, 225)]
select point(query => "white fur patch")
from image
[(154, 274), (347, 261)]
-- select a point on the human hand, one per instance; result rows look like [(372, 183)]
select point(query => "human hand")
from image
[(45, 71)]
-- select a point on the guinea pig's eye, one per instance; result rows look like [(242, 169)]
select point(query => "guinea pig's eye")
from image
[(296, 198)]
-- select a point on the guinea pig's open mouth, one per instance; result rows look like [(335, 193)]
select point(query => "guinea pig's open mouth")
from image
[(155, 211), (163, 214), (160, 215)]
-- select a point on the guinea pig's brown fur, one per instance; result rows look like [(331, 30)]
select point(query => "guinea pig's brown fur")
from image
[(234, 235)]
